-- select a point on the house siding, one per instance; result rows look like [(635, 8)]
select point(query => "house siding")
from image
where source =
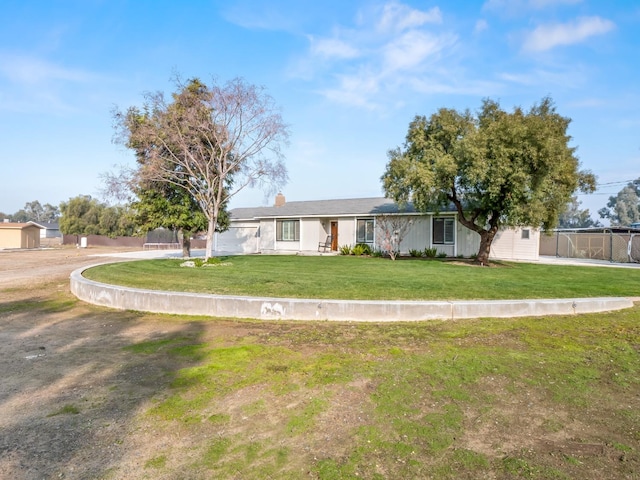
[(347, 231), (315, 226), (508, 244), (310, 232), (468, 241), (267, 235), (418, 234), (20, 236)]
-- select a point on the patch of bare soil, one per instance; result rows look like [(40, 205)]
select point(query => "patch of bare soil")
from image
[(31, 267)]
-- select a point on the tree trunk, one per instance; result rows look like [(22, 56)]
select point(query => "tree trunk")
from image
[(486, 238), (186, 244), (211, 229)]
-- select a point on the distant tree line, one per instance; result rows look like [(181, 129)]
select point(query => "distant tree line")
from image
[(33, 212), (81, 215)]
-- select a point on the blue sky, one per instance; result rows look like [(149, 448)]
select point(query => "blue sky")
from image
[(349, 76)]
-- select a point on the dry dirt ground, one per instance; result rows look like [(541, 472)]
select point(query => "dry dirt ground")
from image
[(63, 354), (70, 394)]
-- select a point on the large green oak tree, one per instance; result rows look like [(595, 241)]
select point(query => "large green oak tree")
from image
[(496, 168)]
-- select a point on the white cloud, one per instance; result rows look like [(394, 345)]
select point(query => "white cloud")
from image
[(412, 48), (30, 70), (397, 17), (32, 84), (382, 52), (356, 90), (546, 37), (332, 48), (269, 16)]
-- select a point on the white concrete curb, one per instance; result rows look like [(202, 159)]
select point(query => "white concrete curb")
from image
[(263, 308)]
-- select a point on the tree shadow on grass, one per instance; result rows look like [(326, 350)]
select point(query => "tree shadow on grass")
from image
[(71, 388)]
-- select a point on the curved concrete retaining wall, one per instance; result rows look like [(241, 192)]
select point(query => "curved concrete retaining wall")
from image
[(125, 298)]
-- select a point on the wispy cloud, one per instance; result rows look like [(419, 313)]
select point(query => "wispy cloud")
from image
[(332, 48), (546, 37), (358, 90), (268, 16), (32, 70), (29, 83), (385, 46), (397, 17), (412, 48)]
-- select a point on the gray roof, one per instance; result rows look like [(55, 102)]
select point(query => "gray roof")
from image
[(325, 208), (48, 225)]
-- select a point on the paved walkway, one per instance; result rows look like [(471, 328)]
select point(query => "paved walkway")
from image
[(585, 262)]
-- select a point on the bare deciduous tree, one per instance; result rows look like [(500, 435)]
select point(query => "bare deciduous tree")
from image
[(390, 231), (213, 141)]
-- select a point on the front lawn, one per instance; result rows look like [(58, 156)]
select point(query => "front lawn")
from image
[(506, 399), (364, 278)]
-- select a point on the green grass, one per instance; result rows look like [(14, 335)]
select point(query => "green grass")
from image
[(372, 278), (156, 462), (418, 394), (66, 410)]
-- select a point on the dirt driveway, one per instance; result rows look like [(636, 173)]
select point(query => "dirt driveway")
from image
[(68, 390), (31, 267)]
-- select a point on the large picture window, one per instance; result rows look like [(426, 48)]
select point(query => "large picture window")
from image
[(443, 231), (288, 230), (364, 230)]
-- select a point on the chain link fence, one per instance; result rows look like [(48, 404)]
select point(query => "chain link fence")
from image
[(621, 247)]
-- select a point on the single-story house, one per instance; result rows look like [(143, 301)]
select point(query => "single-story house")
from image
[(49, 229), (290, 227), (19, 235)]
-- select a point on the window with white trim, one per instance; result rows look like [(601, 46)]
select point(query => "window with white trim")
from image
[(526, 234), (364, 230), (444, 231), (288, 230)]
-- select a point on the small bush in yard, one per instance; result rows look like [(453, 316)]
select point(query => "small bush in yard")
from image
[(430, 252), (361, 249)]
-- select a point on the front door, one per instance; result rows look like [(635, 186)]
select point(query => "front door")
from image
[(334, 236)]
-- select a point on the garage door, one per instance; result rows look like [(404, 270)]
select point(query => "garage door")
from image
[(238, 240)]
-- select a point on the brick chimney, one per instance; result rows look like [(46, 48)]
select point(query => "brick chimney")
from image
[(280, 200)]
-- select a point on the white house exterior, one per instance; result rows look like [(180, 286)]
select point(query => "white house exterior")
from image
[(291, 227)]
